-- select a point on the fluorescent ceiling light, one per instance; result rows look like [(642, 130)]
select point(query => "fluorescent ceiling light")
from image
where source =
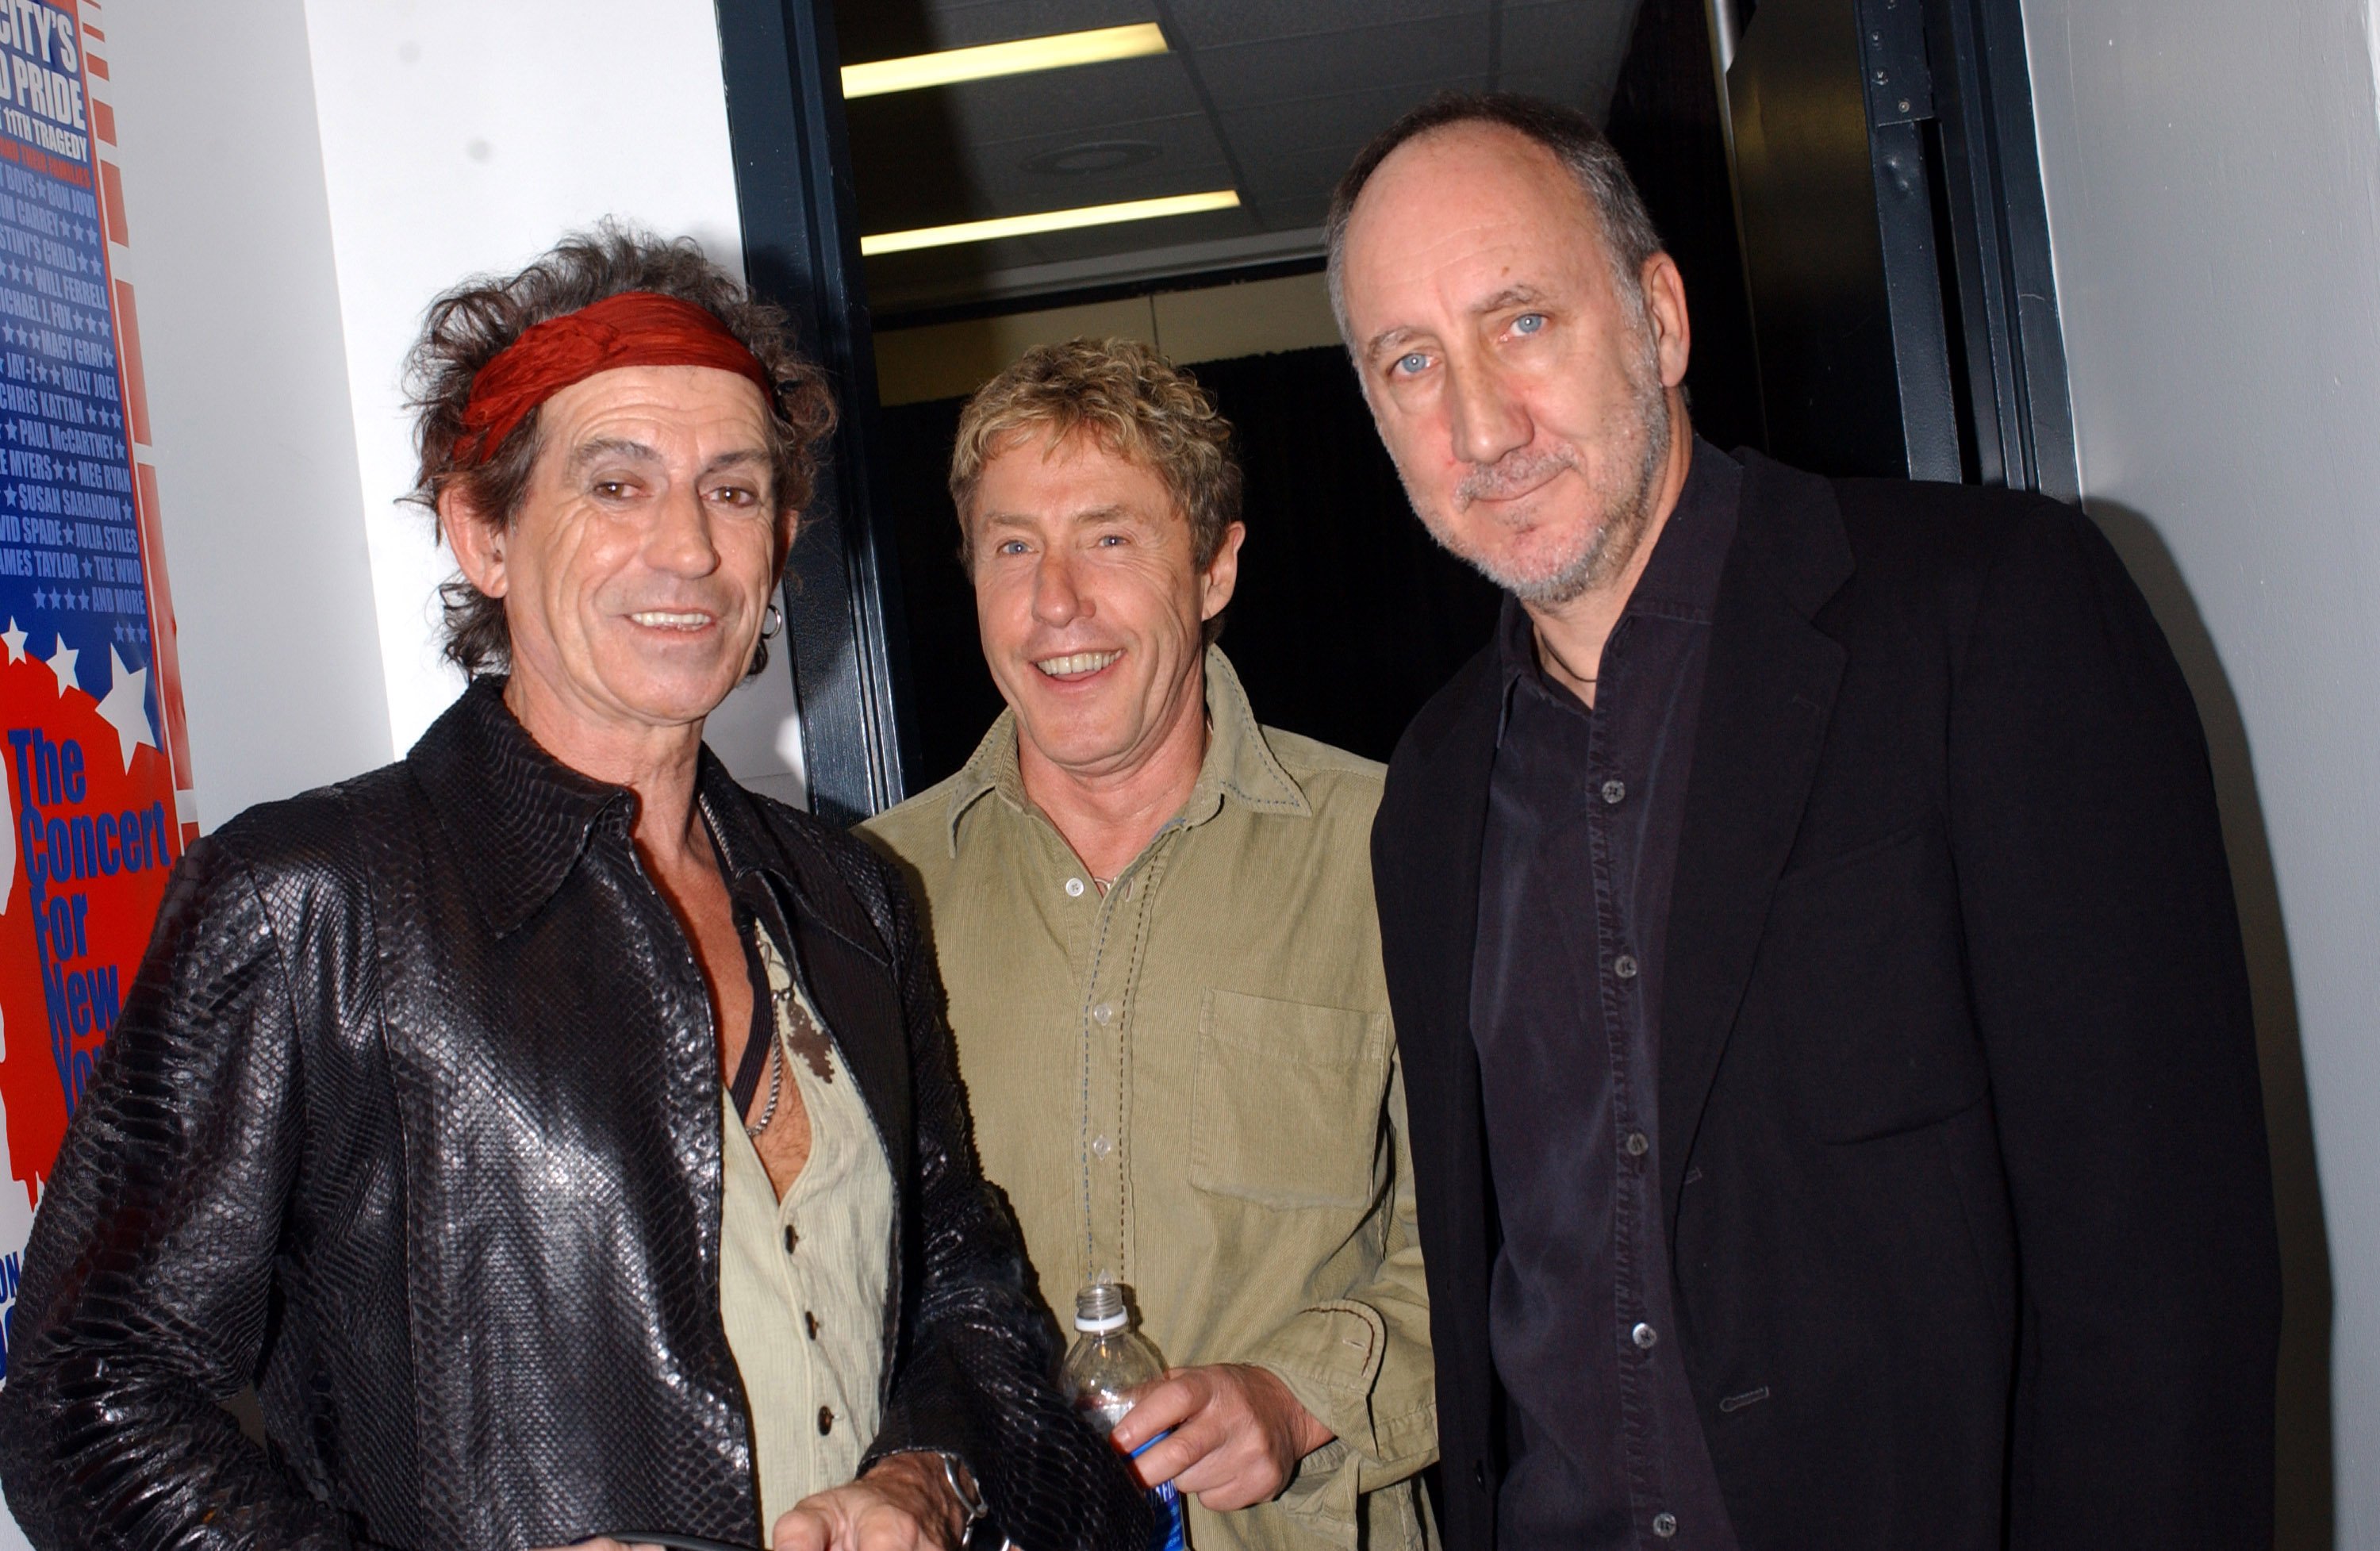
[(1048, 221), (1016, 58)]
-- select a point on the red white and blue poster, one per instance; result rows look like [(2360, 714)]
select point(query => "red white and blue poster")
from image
[(96, 766)]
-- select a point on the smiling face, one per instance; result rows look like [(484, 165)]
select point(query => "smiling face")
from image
[(636, 572), (1526, 396), (1092, 605)]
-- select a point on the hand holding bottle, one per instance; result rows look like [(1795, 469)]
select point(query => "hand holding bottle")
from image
[(1229, 1433)]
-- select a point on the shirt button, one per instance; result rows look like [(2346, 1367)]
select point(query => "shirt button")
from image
[(1103, 1013), (1615, 792), (1644, 1337), (1665, 1524), (826, 1421), (1101, 1146), (1624, 966), (792, 1238), (1636, 1145), (1074, 887), (811, 1320)]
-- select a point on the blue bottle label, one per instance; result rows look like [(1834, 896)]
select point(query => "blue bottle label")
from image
[(1168, 1503)]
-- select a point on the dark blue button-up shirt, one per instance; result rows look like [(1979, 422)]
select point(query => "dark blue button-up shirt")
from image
[(1581, 844)]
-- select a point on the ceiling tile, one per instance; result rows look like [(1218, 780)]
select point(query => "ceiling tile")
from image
[(1297, 86), (927, 158), (1569, 52), (895, 29), (1240, 74), (1219, 23)]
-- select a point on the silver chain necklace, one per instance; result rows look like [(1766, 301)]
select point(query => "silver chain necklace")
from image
[(776, 1088)]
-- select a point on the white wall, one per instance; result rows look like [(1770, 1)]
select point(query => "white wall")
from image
[(301, 180), (2212, 172), (458, 138), (261, 507)]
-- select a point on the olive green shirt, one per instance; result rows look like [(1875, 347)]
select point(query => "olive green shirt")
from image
[(1189, 1085)]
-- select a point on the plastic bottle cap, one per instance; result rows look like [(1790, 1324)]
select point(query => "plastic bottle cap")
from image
[(1099, 1308)]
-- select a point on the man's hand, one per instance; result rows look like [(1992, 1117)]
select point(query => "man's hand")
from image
[(904, 1503), (1237, 1434)]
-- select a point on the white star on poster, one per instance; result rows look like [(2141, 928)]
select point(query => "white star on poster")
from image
[(127, 708), (62, 663), (14, 639)]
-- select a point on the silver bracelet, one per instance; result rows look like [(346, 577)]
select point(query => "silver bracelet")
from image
[(969, 1499)]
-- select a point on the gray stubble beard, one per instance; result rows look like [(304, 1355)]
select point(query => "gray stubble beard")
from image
[(1627, 511)]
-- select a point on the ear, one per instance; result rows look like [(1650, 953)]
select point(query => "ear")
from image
[(478, 546), (1665, 309), (1222, 575)]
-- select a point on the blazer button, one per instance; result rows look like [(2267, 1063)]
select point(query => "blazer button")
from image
[(826, 1421), (1479, 1474)]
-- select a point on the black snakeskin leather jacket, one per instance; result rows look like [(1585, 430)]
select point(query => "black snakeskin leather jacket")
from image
[(411, 1120)]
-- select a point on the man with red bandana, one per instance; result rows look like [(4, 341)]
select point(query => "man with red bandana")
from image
[(563, 1140)]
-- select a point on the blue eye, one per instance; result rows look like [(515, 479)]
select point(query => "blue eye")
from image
[(1529, 322), (1410, 364)]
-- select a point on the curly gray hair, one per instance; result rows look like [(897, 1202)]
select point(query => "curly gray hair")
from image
[(473, 324)]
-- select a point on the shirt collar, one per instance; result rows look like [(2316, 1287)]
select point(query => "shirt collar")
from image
[(1681, 579), (1239, 765)]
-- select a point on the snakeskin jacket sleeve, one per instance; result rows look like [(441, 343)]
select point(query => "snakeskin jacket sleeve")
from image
[(411, 1122)]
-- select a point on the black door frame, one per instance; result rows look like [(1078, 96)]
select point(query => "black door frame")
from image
[(1929, 281), (844, 630)]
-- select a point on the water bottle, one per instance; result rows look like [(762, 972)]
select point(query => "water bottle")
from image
[(1107, 1363)]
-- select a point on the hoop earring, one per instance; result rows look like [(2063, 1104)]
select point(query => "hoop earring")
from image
[(776, 623)]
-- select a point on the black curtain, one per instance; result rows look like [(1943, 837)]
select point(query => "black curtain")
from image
[(1347, 616)]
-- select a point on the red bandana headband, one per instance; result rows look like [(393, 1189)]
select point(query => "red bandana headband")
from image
[(634, 328)]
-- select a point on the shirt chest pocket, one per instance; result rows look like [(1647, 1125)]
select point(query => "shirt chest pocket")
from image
[(1286, 1102)]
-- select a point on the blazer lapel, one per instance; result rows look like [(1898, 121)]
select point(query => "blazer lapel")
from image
[(1770, 692), (1426, 851), (1425, 865)]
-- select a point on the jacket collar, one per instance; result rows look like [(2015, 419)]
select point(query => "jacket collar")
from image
[(518, 817), (1239, 765)]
